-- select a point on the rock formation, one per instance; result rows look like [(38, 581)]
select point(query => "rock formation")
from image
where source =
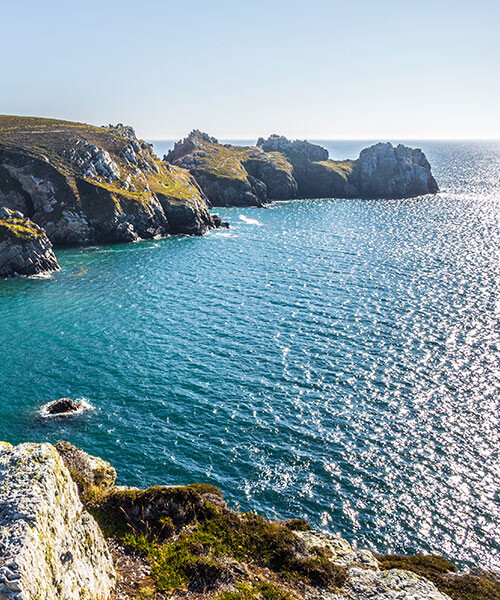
[(24, 246), (234, 175), (85, 184), (50, 547), (183, 542), (280, 169)]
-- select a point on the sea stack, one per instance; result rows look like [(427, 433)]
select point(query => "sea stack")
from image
[(24, 247)]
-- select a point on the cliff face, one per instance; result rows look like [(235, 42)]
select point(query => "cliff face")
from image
[(280, 169), (234, 175), (182, 542), (50, 547), (24, 246), (85, 184)]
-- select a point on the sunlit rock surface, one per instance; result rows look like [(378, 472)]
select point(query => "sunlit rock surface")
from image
[(50, 547)]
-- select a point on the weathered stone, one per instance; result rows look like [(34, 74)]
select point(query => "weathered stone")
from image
[(385, 171), (343, 553), (86, 470), (50, 547), (95, 184), (62, 406), (395, 584), (24, 247), (279, 143)]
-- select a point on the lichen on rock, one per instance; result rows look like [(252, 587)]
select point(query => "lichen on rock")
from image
[(50, 547)]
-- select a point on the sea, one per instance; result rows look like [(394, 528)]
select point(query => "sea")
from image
[(332, 359)]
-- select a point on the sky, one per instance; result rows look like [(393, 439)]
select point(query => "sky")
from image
[(317, 69)]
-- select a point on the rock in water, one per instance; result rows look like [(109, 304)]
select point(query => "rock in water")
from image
[(62, 406), (385, 171), (24, 247), (50, 547), (282, 169)]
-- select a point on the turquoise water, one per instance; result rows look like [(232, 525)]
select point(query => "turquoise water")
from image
[(333, 359)]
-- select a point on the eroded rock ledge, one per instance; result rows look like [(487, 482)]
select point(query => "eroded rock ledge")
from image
[(280, 169), (183, 542), (84, 184), (24, 247)]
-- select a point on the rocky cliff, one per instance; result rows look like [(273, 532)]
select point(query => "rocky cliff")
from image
[(24, 246), (50, 547), (280, 169), (85, 184), (234, 175), (183, 542)]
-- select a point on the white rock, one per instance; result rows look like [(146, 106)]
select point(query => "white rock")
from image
[(50, 547)]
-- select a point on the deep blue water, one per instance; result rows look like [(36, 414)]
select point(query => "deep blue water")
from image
[(333, 359)]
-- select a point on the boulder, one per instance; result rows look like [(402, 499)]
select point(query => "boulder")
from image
[(50, 547), (385, 171), (24, 246), (86, 470), (62, 406), (279, 143)]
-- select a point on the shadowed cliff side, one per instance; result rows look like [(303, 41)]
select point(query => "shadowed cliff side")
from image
[(84, 184), (280, 169)]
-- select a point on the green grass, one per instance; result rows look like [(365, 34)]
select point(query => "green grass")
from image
[(444, 575), (21, 229), (342, 167), (186, 538), (261, 590)]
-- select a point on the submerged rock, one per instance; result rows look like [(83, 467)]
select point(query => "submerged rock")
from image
[(50, 547), (282, 169), (24, 246)]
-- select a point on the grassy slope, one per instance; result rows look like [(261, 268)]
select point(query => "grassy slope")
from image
[(228, 161), (19, 229), (49, 138)]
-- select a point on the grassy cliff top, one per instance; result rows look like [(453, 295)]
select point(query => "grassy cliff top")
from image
[(51, 141), (20, 229), (224, 160), (342, 167)]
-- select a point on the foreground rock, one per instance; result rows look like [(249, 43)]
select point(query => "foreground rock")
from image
[(280, 169), (85, 184), (24, 247), (50, 547), (183, 542)]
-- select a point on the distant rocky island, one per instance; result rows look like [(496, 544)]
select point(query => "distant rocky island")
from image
[(73, 184), (68, 532), (280, 169)]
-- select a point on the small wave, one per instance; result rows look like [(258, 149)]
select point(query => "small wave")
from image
[(223, 234), (249, 221), (84, 406), (41, 276)]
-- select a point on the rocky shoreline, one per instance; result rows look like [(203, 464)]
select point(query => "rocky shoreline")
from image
[(281, 169), (77, 184), (68, 532)]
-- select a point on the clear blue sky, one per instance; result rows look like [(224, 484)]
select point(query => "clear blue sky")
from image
[(317, 69)]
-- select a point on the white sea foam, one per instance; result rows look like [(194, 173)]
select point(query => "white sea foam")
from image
[(84, 406), (249, 221)]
